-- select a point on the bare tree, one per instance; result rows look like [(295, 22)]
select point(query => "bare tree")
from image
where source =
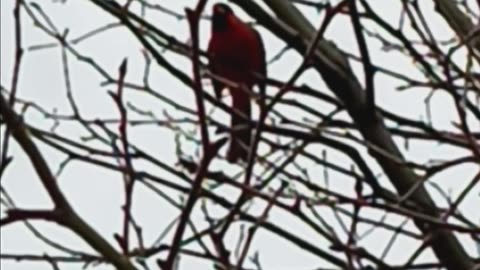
[(328, 153)]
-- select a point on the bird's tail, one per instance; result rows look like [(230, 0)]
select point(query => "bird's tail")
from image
[(241, 134)]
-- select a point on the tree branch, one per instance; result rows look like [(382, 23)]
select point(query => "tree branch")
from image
[(69, 217), (337, 74)]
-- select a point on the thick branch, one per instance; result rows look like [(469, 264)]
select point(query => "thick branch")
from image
[(337, 74), (69, 218), (458, 21)]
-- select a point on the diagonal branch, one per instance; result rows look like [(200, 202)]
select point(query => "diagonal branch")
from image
[(339, 77), (4, 159), (68, 217), (458, 21), (367, 64)]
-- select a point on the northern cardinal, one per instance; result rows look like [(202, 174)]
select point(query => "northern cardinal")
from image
[(236, 53)]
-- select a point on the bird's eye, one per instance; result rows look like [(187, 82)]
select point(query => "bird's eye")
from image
[(219, 9)]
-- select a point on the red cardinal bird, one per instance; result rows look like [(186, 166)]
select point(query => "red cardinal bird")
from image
[(236, 53)]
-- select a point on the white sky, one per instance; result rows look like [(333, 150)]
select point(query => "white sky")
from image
[(97, 193)]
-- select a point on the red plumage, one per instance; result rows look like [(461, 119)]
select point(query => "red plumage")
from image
[(236, 53)]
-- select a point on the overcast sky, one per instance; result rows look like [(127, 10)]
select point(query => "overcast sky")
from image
[(97, 194)]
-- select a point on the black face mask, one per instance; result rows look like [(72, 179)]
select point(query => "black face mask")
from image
[(219, 19)]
